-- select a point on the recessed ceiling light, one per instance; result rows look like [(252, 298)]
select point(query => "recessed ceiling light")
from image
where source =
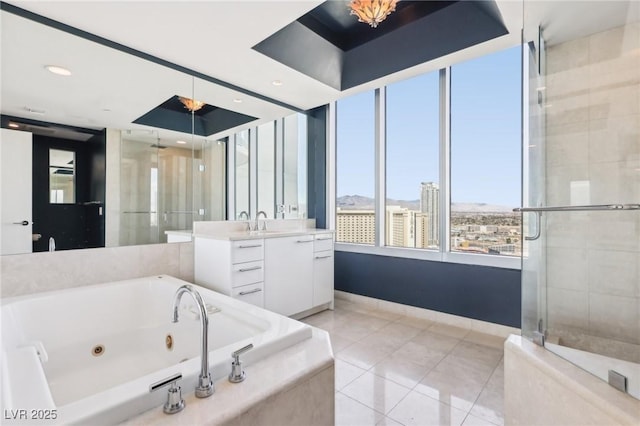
[(276, 83), (58, 70), (237, 100), (181, 142), (14, 125)]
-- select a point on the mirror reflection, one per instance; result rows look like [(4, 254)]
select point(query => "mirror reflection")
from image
[(117, 150), (62, 176), (270, 170), (86, 157)]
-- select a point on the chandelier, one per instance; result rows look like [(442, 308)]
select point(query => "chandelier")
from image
[(372, 12), (191, 104)]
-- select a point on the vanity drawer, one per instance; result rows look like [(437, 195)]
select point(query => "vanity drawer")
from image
[(247, 273), (323, 242), (247, 251), (252, 293)]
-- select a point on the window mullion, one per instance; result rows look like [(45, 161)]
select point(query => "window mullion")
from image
[(331, 171), (380, 164), (445, 160), (253, 171)]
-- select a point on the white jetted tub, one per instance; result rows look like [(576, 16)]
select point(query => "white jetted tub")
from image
[(88, 355)]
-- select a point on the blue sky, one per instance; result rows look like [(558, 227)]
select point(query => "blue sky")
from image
[(485, 134)]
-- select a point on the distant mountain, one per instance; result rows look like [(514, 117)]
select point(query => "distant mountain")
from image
[(360, 202), (355, 202), (480, 208)]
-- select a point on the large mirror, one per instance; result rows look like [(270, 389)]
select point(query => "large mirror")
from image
[(147, 158), (100, 169)]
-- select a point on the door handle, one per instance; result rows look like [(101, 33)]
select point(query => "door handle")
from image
[(23, 223)]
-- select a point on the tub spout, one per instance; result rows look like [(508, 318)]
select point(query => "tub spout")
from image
[(205, 385)]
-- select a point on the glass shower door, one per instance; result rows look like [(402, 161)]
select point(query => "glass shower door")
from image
[(582, 166), (534, 189), (139, 203)]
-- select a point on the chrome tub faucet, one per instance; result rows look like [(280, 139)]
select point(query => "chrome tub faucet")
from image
[(205, 385)]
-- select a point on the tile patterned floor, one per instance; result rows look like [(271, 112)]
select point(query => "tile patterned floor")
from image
[(397, 370)]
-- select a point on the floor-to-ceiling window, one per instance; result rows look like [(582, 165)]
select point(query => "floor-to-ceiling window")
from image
[(485, 154), (445, 158), (355, 174), (412, 163)]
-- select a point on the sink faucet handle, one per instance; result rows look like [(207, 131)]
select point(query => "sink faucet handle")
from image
[(237, 374), (174, 403), (264, 223)]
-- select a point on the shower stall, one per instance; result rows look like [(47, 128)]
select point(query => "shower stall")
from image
[(167, 186), (581, 185)]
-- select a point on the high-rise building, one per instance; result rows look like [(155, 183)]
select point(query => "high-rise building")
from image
[(400, 230), (422, 230), (429, 205), (356, 226)]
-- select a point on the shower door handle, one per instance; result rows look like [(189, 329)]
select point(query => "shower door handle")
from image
[(537, 234)]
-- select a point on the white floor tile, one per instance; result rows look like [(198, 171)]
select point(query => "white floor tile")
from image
[(485, 339), (420, 354), (482, 354), (362, 355), (375, 392), (420, 410), (436, 342), (449, 330), (386, 421), (449, 389), (346, 373), (339, 342), (489, 406), (476, 421), (457, 374), (399, 369), (352, 413), (421, 323)]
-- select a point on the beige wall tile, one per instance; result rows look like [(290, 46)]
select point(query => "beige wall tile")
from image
[(568, 308), (38, 272), (614, 317), (614, 273)]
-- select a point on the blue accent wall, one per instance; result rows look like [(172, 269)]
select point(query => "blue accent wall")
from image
[(479, 292), (317, 165)]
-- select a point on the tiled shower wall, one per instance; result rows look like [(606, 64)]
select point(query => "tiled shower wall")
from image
[(23, 274), (593, 157)]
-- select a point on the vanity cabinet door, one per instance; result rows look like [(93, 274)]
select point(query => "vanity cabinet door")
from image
[(322, 277), (288, 276), (252, 293)]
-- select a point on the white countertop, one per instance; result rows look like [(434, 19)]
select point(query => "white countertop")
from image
[(186, 232), (255, 235)]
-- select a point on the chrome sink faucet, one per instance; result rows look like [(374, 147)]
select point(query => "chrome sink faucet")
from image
[(205, 385), (264, 224), (248, 217)]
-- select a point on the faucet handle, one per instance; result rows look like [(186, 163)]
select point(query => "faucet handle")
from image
[(237, 374), (174, 403)]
